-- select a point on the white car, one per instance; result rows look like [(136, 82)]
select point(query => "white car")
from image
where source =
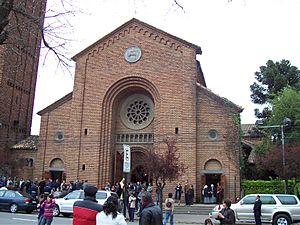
[(276, 209), (64, 205)]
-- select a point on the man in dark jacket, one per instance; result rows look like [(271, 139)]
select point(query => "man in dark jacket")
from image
[(85, 212), (257, 210), (151, 214)]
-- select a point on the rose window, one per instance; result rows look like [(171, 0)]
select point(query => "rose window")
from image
[(137, 111)]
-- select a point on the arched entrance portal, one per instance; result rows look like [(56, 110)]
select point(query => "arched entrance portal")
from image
[(56, 169), (212, 174), (138, 171), (139, 174)]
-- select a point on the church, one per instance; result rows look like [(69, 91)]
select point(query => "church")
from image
[(136, 86)]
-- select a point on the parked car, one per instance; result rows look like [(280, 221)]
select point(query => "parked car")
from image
[(279, 209), (14, 201), (64, 205)]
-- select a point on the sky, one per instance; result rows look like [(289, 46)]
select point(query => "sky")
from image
[(236, 38)]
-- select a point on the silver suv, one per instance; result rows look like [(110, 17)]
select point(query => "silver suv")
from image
[(279, 209)]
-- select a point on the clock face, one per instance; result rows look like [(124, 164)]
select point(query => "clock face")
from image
[(132, 54)]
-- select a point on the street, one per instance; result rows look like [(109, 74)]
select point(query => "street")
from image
[(7, 218)]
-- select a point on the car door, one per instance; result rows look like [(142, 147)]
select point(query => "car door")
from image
[(267, 208), (244, 209), (8, 198), (68, 202), (2, 199)]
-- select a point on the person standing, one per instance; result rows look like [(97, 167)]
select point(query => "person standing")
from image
[(186, 187), (178, 192), (205, 194), (85, 212), (110, 214), (257, 210), (169, 209), (41, 210), (226, 215), (158, 192), (220, 193), (132, 200), (151, 214), (48, 207)]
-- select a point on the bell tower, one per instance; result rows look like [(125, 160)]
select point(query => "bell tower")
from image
[(19, 57)]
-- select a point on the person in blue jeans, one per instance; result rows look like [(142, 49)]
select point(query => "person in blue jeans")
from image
[(169, 209)]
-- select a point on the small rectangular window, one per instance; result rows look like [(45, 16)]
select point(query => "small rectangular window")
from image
[(85, 131), (287, 200), (83, 167), (176, 130)]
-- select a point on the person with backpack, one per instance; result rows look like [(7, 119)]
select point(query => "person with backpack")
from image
[(169, 209)]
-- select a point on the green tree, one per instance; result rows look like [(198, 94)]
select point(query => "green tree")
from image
[(285, 105), (270, 81)]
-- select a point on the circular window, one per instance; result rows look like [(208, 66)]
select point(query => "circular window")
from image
[(212, 134), (137, 111), (59, 136)]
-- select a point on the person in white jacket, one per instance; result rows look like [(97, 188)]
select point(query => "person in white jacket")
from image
[(110, 214)]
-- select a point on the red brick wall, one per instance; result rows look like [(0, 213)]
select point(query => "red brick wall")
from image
[(167, 73), (18, 73)]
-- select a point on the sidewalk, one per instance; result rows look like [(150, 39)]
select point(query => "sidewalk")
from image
[(190, 219)]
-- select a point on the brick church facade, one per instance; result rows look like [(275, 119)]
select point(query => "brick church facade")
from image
[(19, 57), (135, 86)]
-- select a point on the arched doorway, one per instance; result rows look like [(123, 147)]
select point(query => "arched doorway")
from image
[(56, 169), (139, 174), (212, 174), (138, 171)]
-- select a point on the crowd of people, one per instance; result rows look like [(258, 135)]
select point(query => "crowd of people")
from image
[(137, 197)]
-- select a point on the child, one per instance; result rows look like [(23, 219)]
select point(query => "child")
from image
[(208, 222), (169, 208), (48, 207), (41, 210)]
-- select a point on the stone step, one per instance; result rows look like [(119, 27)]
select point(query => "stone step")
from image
[(196, 209)]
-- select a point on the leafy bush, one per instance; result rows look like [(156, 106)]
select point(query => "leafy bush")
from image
[(269, 187)]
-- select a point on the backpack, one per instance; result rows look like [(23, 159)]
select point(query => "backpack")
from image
[(169, 204)]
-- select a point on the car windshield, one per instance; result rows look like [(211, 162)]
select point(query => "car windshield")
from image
[(74, 195), (287, 200), (101, 195)]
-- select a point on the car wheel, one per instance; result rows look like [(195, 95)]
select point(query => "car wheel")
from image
[(13, 208), (282, 219), (56, 211)]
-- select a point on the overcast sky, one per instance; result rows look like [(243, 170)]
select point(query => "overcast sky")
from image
[(236, 37)]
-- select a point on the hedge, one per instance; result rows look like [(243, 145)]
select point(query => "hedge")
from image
[(269, 187)]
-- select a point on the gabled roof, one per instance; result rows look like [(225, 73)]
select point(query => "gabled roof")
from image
[(56, 104), (221, 100), (30, 143), (247, 128), (136, 21)]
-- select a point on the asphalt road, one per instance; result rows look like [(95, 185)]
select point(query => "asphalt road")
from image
[(7, 218)]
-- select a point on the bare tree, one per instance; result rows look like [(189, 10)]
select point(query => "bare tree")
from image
[(18, 18)]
